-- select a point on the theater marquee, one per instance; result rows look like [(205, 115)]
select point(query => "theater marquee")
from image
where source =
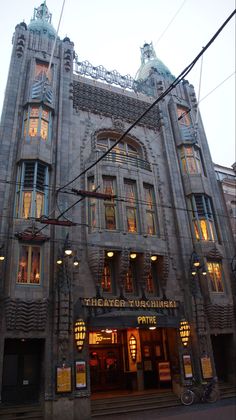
[(129, 303)]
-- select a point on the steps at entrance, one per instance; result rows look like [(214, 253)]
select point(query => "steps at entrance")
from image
[(226, 390), (131, 403), (24, 412)]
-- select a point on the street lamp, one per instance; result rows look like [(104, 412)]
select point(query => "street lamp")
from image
[(2, 255)]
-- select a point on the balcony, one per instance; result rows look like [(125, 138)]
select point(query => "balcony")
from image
[(122, 159)]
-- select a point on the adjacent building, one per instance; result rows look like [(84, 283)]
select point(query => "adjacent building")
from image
[(143, 214)]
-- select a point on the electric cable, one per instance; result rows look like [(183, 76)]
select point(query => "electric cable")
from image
[(181, 76)]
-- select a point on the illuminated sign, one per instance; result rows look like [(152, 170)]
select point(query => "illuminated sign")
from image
[(103, 337), (147, 320), (130, 303)]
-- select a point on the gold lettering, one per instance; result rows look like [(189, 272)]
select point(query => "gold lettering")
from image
[(143, 304), (86, 301), (122, 303), (106, 302), (166, 304), (131, 303), (100, 302), (117, 303)]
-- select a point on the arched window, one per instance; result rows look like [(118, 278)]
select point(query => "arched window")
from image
[(125, 152)]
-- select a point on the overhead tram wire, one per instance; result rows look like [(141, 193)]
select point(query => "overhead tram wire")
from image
[(181, 76), (172, 20)]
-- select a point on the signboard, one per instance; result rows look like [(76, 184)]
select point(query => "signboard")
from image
[(206, 367), (188, 372), (164, 371), (147, 320), (102, 337), (63, 379), (80, 374), (130, 303)]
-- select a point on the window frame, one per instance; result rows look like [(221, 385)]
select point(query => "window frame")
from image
[(110, 203), (30, 247), (22, 189), (188, 160), (131, 205), (150, 208), (213, 279), (42, 117), (204, 222)]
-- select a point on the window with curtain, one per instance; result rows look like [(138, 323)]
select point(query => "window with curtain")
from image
[(109, 187), (36, 122), (32, 190), (214, 269), (150, 209), (29, 265), (191, 160), (203, 220), (131, 206)]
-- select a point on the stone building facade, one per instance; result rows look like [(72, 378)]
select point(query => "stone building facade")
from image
[(145, 220)]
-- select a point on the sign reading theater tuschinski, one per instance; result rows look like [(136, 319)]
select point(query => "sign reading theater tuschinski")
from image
[(129, 303)]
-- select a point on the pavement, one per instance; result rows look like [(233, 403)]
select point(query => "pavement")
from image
[(221, 410)]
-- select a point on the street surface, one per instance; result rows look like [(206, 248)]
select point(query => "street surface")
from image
[(221, 410)]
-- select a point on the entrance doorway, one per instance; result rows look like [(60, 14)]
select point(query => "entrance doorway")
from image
[(222, 346), (21, 371), (106, 368)]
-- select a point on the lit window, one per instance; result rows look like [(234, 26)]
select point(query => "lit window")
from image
[(131, 203), (32, 190), (150, 209), (130, 278), (191, 160), (29, 265), (36, 122), (106, 282), (109, 187), (203, 221), (152, 284), (91, 204), (215, 272)]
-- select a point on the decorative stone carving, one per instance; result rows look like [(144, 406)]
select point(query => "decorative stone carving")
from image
[(26, 315), (96, 257), (220, 316)]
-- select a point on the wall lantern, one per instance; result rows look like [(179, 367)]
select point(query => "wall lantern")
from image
[(2, 256), (184, 332), (80, 332), (59, 260), (110, 254), (153, 257), (133, 255), (133, 347), (67, 246)]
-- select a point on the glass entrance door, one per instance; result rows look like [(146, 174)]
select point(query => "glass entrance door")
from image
[(106, 368)]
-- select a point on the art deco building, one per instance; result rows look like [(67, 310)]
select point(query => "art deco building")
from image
[(145, 221)]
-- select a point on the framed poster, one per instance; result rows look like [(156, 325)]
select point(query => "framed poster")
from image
[(206, 367), (188, 371), (63, 379), (164, 371), (80, 374)]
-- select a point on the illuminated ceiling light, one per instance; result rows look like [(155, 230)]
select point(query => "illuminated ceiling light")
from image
[(133, 347), (2, 258), (133, 255), (152, 328), (79, 333), (110, 254), (59, 260), (184, 332), (76, 262), (108, 331), (153, 257)]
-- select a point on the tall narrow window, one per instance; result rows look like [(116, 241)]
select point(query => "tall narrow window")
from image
[(107, 276), (109, 187), (29, 265), (32, 190), (131, 206), (203, 220), (152, 284), (215, 272), (150, 209), (91, 205), (191, 160), (36, 122), (130, 278)]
